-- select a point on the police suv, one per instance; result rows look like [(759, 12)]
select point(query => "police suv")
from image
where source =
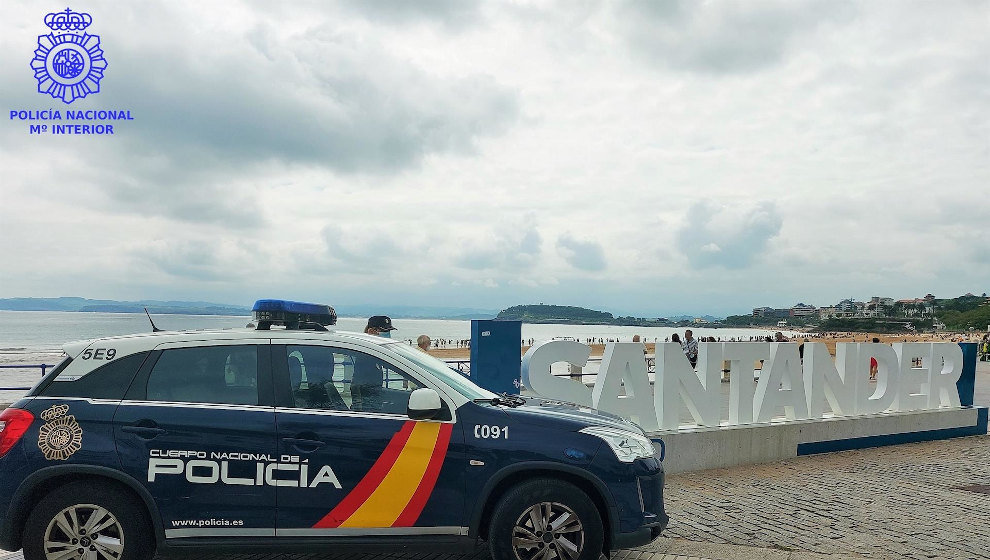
[(303, 439)]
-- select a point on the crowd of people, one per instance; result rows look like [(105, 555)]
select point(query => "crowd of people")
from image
[(381, 325)]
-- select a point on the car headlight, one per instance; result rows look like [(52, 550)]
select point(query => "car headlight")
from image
[(628, 446)]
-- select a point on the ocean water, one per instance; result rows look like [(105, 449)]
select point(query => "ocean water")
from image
[(36, 337), (24, 334)]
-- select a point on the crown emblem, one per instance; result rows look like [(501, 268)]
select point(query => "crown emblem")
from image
[(68, 20), (68, 63), (54, 412)]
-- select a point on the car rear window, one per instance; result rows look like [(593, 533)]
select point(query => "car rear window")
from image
[(108, 381)]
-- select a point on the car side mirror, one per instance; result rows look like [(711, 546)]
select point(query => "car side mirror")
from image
[(424, 404)]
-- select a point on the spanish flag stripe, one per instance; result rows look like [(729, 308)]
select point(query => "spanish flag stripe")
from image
[(384, 505), (418, 501), (370, 482)]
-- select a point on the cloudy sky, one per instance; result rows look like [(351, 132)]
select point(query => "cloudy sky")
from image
[(646, 158)]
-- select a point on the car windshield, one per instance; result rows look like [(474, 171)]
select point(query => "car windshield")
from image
[(442, 371)]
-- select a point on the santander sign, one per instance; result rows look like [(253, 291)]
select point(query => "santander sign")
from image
[(911, 376)]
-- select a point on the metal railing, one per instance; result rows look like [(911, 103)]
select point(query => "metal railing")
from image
[(42, 367), (464, 366)]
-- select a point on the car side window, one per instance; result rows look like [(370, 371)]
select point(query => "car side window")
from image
[(109, 381), (379, 387), (326, 378), (208, 374), (316, 377)]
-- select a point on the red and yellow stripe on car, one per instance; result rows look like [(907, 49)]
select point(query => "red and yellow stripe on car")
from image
[(395, 491)]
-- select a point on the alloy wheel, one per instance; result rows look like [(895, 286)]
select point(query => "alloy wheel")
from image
[(84, 532), (548, 531)]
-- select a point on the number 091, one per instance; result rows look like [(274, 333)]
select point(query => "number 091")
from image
[(484, 431)]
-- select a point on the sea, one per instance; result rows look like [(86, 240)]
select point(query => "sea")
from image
[(36, 337)]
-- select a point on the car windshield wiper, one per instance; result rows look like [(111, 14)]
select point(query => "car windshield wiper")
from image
[(505, 399)]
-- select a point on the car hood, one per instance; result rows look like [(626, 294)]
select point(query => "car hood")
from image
[(538, 411)]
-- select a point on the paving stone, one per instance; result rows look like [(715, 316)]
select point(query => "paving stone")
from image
[(901, 497)]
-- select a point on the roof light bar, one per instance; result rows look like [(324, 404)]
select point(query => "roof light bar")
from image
[(293, 315)]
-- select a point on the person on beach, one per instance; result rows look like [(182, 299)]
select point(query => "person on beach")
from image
[(874, 366), (379, 325), (691, 347), (423, 342)]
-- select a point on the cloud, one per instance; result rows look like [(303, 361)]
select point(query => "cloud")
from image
[(195, 260), (396, 150), (365, 248), (584, 255), (235, 103), (309, 97), (730, 237), (452, 13), (720, 37), (511, 246)]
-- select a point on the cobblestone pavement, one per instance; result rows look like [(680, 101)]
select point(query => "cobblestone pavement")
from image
[(892, 502), (884, 503)]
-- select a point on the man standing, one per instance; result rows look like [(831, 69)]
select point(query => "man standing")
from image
[(379, 325), (423, 342), (691, 347)]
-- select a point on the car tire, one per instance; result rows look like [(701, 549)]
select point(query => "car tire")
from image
[(517, 528), (68, 516)]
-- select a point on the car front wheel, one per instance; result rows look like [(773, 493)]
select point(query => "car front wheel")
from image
[(545, 519), (86, 521)]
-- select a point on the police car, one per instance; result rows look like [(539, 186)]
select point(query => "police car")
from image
[(293, 437)]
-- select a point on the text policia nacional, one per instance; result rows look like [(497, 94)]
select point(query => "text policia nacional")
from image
[(55, 121)]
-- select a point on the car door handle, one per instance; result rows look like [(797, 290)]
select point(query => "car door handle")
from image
[(145, 432), (307, 445)]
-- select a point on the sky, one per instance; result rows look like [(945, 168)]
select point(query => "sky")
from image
[(644, 158)]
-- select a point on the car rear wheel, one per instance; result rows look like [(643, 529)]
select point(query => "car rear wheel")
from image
[(545, 519), (85, 521)]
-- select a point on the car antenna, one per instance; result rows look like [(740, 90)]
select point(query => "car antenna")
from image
[(153, 327)]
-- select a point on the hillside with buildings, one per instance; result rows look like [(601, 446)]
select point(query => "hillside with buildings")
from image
[(879, 314)]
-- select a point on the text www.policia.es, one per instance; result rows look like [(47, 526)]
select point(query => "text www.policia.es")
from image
[(208, 523)]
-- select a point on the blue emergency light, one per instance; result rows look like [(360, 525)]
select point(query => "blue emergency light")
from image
[(292, 314)]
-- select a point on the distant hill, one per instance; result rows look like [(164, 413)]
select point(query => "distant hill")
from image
[(566, 314), (555, 314), (113, 306), (207, 308)]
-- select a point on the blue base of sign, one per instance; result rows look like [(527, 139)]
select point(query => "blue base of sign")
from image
[(896, 439)]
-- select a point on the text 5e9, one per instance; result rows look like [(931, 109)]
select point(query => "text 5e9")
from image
[(99, 354)]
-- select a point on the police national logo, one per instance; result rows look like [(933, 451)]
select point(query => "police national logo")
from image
[(68, 62), (60, 436)]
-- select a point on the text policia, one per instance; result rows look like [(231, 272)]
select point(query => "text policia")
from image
[(250, 469), (911, 376)]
